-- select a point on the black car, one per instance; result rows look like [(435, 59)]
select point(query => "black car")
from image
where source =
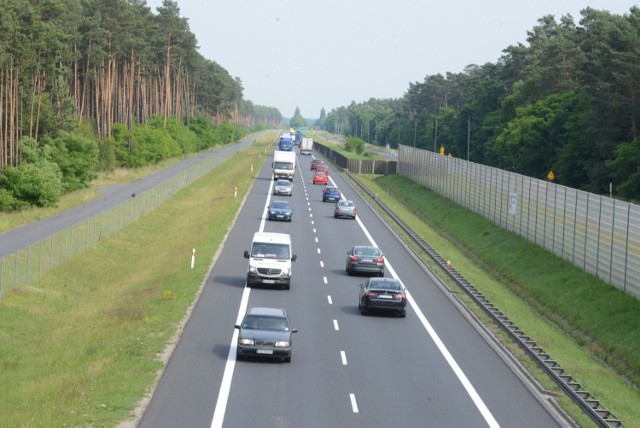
[(265, 332), (280, 210), (385, 294), (365, 259)]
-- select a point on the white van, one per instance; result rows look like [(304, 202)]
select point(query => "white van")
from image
[(270, 259)]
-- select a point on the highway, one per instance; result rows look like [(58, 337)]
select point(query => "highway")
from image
[(432, 368)]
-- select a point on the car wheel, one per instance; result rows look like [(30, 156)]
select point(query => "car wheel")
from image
[(403, 314), (380, 274), (287, 286), (287, 359), (349, 272), (238, 356), (363, 310)]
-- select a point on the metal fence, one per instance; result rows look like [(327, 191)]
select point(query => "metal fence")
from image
[(596, 233), (357, 166), (29, 264)]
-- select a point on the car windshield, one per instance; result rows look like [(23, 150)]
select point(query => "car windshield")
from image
[(346, 204), (270, 251), (283, 183), (385, 285), (255, 322), (366, 251), (320, 174), (279, 204), (331, 189), (283, 165)]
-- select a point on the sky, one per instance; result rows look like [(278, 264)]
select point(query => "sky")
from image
[(325, 54)]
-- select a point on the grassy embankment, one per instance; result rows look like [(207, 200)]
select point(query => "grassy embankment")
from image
[(590, 328), (80, 347)]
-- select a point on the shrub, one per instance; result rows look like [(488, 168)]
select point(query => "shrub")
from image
[(77, 157), (37, 184), (354, 144)]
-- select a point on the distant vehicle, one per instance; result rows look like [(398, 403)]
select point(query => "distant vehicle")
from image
[(320, 178), (284, 165), (283, 187), (365, 259), (331, 193), (286, 143), (345, 209), (306, 146), (298, 138), (270, 260), (385, 294), (322, 168), (280, 210), (265, 332), (315, 163)]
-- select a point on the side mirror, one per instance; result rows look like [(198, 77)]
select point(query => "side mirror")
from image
[(295, 330), (294, 258), (273, 165), (237, 326), (246, 254)]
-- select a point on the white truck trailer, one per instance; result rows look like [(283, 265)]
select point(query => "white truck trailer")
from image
[(306, 146), (284, 165)]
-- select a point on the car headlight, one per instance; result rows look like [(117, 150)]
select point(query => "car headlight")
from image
[(286, 272), (252, 269), (242, 341), (282, 343), (272, 213)]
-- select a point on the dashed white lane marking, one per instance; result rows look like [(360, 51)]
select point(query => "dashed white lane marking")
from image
[(324, 278), (354, 404), (321, 264), (329, 300), (314, 229), (316, 238), (343, 357), (319, 251), (335, 325)]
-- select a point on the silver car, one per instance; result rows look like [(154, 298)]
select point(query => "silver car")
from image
[(283, 187), (265, 332), (345, 209)]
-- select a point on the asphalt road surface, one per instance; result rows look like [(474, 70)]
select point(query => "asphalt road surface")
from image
[(432, 368), (23, 236)]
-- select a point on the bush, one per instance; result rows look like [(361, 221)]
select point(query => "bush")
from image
[(354, 144), (77, 157), (37, 184)]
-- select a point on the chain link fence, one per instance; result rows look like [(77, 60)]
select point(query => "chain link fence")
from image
[(26, 265), (596, 233)]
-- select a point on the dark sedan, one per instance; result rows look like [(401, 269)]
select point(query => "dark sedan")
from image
[(265, 332), (384, 294), (280, 210), (365, 259)]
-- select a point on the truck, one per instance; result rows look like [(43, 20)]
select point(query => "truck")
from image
[(286, 143), (306, 146), (284, 165)]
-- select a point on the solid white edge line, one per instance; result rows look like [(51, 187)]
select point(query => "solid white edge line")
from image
[(475, 397), (225, 386), (227, 377)]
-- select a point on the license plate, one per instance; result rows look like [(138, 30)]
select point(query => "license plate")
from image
[(264, 351), (385, 296), (269, 281), (367, 260)]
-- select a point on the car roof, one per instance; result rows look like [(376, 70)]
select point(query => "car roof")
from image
[(270, 312), (331, 188)]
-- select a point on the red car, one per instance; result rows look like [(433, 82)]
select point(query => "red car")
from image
[(316, 162), (322, 168), (320, 178)]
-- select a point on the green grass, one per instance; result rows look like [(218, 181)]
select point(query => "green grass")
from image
[(339, 148), (80, 347), (589, 327)]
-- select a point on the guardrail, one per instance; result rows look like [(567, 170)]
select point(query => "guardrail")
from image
[(585, 400)]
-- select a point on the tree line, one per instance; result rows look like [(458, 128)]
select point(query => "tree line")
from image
[(568, 101), (98, 80)]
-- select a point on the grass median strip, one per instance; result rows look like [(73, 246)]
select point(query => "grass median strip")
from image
[(551, 300), (80, 346)]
